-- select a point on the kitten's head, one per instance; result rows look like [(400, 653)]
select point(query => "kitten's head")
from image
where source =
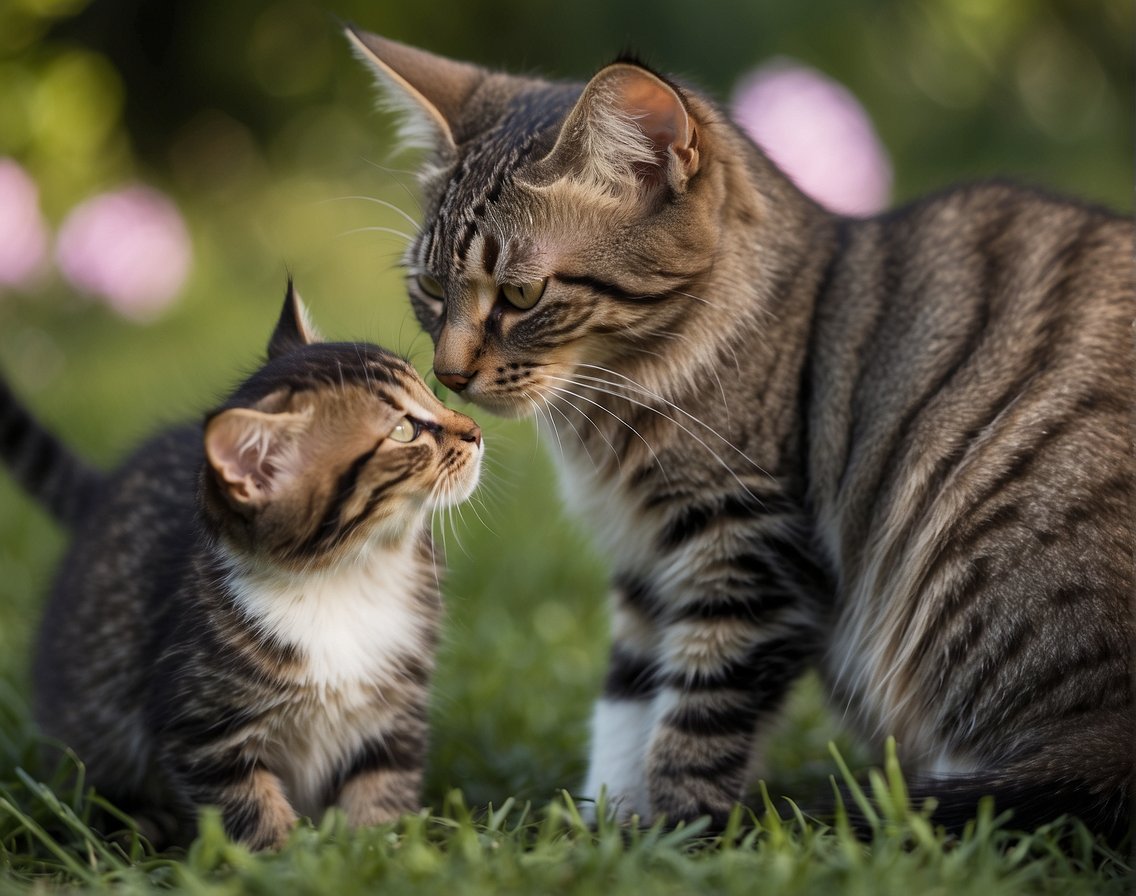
[(565, 224), (331, 447)]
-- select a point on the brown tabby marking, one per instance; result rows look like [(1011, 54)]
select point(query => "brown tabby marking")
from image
[(247, 614), (899, 450)]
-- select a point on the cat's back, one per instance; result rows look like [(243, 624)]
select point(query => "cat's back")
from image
[(943, 320), (127, 555), (973, 471)]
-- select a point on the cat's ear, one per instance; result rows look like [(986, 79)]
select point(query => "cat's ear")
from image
[(629, 130), (427, 91), (294, 329), (255, 454)]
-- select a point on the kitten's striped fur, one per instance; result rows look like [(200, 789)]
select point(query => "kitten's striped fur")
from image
[(248, 611), (896, 449)]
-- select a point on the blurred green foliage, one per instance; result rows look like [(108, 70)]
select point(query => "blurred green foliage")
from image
[(257, 120)]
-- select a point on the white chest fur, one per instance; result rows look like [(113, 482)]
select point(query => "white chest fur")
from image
[(614, 525), (350, 628), (347, 624)]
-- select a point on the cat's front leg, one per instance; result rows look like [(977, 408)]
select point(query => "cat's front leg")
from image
[(383, 779), (254, 808), (724, 670), (624, 715)]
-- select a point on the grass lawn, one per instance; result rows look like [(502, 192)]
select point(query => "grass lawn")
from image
[(523, 652)]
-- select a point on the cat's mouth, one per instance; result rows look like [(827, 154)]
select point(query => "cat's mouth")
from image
[(459, 480)]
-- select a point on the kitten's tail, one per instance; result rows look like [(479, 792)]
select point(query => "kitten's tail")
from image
[(59, 480)]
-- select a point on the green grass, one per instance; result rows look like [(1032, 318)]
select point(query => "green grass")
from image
[(523, 653)]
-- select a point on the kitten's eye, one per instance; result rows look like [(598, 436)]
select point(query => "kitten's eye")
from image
[(431, 287), (524, 297), (406, 430)]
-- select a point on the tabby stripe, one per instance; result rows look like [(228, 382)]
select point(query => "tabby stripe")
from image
[(639, 595), (756, 608), (629, 676), (766, 669), (401, 751), (693, 519), (725, 765), (1079, 679), (344, 489), (612, 290), (889, 276), (964, 590), (207, 772), (732, 713)]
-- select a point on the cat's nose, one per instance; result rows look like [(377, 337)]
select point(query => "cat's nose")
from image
[(453, 380), (472, 435)]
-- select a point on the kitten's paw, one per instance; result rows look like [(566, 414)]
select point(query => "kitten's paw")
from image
[(381, 796), (370, 816)]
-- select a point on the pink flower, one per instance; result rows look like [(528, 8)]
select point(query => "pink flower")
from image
[(130, 247), (24, 234), (815, 131)]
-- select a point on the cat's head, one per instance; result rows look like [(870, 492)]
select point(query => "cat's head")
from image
[(564, 225), (330, 447)]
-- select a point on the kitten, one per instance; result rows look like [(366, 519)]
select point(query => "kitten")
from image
[(897, 449), (247, 613)]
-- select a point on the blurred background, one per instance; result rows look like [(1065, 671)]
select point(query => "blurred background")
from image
[(163, 164)]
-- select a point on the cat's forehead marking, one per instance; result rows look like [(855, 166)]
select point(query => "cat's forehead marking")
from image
[(484, 171)]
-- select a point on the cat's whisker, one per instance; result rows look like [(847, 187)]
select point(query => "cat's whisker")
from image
[(567, 392), (650, 448), (643, 390), (383, 202), (685, 429), (624, 397), (579, 438), (395, 176), (375, 228), (544, 413)]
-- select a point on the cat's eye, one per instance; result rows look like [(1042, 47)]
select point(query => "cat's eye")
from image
[(406, 430), (430, 286), (524, 296)]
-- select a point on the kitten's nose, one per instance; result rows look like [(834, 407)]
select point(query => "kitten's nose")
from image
[(453, 380), (472, 435)]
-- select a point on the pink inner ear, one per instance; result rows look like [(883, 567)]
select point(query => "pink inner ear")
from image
[(247, 449), (655, 109)]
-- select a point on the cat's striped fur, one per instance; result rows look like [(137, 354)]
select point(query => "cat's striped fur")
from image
[(896, 449), (248, 610)]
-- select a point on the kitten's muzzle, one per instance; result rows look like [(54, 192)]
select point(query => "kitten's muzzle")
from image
[(472, 435)]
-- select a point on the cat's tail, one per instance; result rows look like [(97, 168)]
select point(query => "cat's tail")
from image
[(1105, 808), (60, 481)]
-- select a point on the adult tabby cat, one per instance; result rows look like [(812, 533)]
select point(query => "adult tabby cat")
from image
[(247, 613), (898, 449)]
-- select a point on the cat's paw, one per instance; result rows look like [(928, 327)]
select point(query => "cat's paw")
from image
[(688, 798), (381, 796)]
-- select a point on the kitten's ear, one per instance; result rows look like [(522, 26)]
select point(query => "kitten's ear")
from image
[(254, 454), (294, 329), (630, 129), (427, 90)]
